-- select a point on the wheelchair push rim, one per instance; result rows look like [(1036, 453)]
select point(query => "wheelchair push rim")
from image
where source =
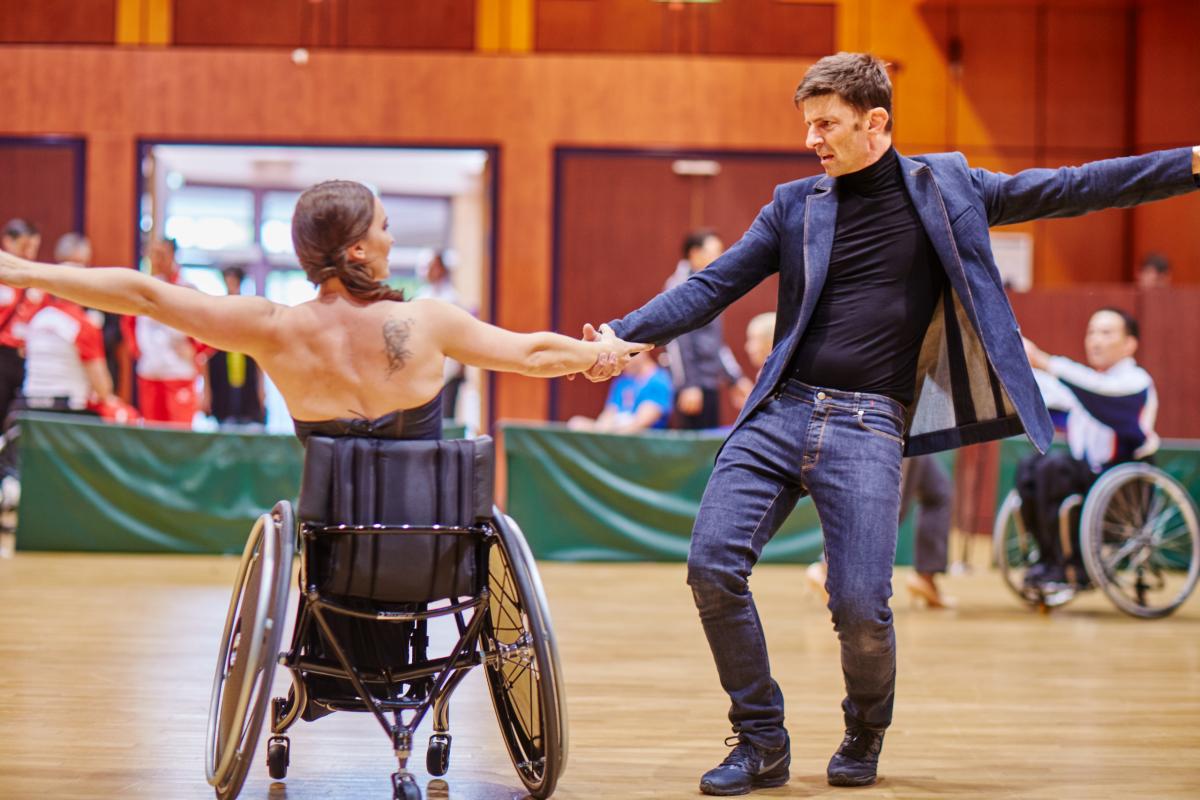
[(1013, 548), (1141, 540), (249, 650), (521, 663)]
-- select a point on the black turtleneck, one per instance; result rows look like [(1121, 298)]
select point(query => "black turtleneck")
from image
[(883, 284)]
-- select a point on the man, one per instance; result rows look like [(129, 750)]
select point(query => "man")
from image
[(166, 358), (17, 307), (234, 389), (1110, 406), (895, 338), (639, 400), (700, 360), (1154, 272)]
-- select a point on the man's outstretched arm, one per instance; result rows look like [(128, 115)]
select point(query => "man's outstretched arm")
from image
[(1072, 191)]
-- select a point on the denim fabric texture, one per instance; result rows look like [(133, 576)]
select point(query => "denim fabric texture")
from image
[(803, 441)]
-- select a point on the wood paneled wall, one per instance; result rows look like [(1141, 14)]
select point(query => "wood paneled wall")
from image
[(744, 28), (58, 21), (41, 184), (375, 24)]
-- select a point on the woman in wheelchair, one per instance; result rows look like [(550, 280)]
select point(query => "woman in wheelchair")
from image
[(1107, 409), (396, 527)]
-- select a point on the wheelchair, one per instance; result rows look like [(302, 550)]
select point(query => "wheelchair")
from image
[(1139, 538), (392, 534)]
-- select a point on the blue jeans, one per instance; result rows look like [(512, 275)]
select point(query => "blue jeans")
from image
[(843, 449)]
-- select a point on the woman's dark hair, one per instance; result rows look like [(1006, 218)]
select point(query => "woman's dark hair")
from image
[(17, 228), (330, 218)]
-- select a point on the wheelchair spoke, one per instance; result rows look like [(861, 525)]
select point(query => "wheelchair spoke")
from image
[(1123, 552)]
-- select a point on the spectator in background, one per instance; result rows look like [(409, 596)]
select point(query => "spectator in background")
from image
[(440, 286), (17, 307), (65, 369), (1110, 405), (1154, 272), (166, 358), (234, 389), (700, 359), (760, 340), (75, 249), (639, 400)]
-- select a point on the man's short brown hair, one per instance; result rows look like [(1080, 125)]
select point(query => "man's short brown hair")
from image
[(859, 79)]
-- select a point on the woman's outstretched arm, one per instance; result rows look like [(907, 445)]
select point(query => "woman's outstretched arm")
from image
[(235, 322), (540, 355)]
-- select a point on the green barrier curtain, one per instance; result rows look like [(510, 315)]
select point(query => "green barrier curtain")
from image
[(86, 485), (595, 497)]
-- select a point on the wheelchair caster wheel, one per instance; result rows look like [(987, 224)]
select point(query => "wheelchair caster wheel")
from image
[(437, 756), (404, 787), (278, 757)]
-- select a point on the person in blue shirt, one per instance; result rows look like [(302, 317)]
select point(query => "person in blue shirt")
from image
[(639, 399)]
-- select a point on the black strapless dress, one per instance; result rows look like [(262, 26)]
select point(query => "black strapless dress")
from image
[(422, 422)]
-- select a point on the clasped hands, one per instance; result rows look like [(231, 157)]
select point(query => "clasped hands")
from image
[(616, 353)]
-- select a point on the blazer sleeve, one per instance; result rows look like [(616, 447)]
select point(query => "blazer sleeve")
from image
[(1072, 191), (704, 295)]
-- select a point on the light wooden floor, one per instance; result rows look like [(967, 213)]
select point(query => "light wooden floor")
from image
[(106, 664)]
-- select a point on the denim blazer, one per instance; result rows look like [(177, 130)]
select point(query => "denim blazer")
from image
[(973, 380)]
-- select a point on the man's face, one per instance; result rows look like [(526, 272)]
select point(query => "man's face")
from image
[(838, 134), (1150, 278), (32, 245), (758, 345), (233, 284), (708, 252), (1106, 341)]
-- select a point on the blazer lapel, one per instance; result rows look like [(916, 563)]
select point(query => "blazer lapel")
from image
[(820, 220), (926, 198)]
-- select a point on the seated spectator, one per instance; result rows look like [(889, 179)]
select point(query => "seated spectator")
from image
[(234, 389), (1154, 272), (1110, 405), (640, 399)]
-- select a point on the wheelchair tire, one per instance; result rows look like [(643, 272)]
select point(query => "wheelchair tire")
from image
[(521, 663), (1141, 540), (1013, 548), (249, 650)]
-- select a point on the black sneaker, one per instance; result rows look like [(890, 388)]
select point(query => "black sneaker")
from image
[(747, 767), (855, 762)]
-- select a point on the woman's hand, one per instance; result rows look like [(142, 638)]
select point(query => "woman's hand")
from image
[(14, 271)]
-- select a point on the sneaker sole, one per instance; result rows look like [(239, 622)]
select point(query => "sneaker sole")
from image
[(756, 783), (847, 780)]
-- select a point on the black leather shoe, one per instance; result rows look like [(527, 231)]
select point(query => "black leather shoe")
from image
[(746, 767), (855, 762)]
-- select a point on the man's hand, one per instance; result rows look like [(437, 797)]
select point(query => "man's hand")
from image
[(1038, 358), (690, 401), (615, 356)]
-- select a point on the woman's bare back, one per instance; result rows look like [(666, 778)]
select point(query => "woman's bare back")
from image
[(339, 358)]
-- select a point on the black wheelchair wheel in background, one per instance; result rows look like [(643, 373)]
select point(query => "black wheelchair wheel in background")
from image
[(1013, 548), (249, 650), (521, 663), (1141, 540)]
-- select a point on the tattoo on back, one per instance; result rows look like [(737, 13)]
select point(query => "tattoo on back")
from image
[(395, 342)]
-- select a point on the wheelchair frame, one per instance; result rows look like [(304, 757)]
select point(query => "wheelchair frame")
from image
[(1139, 536), (539, 756)]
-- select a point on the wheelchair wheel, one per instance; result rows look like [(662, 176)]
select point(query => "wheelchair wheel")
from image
[(521, 663), (1141, 540), (1014, 549), (249, 651)]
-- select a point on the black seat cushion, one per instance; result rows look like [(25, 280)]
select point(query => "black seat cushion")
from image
[(362, 481)]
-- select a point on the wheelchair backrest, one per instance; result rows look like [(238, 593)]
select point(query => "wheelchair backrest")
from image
[(364, 481)]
